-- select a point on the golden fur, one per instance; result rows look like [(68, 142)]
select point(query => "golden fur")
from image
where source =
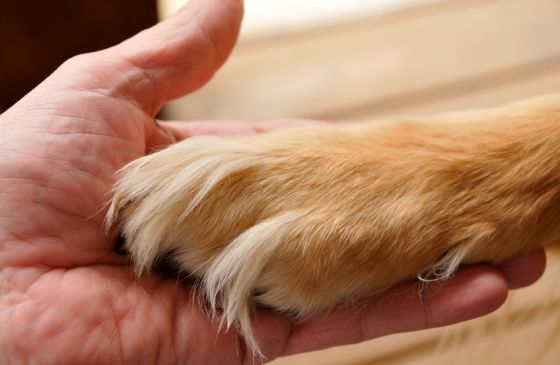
[(302, 219)]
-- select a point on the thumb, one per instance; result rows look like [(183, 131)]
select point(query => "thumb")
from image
[(171, 59)]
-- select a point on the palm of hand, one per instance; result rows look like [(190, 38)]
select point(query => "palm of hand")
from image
[(72, 275), (65, 295), (62, 282)]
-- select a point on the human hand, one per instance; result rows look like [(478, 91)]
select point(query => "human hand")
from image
[(67, 297)]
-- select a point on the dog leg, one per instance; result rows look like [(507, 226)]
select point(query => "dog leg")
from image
[(305, 218)]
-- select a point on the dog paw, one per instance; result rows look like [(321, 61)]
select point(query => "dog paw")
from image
[(302, 219)]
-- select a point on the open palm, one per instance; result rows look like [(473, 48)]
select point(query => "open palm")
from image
[(67, 297)]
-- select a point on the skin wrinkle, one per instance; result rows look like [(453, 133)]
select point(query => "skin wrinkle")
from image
[(22, 293), (74, 168), (170, 317), (63, 170), (24, 297), (56, 209), (210, 41), (166, 349), (64, 122), (23, 355), (128, 105), (100, 329), (140, 327), (51, 108), (11, 237), (112, 337), (296, 336), (144, 75), (116, 335), (171, 312), (66, 233), (66, 259), (48, 159), (38, 243), (160, 138), (32, 182), (178, 338), (84, 134), (174, 332), (64, 331), (158, 347), (427, 315), (12, 245), (96, 85), (119, 320), (115, 92), (286, 343)]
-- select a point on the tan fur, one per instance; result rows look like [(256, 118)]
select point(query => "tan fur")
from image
[(303, 219)]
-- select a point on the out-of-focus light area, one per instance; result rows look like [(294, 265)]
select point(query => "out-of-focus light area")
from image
[(360, 60), (274, 16)]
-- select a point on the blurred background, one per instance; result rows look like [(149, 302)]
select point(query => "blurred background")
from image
[(351, 60), (361, 59)]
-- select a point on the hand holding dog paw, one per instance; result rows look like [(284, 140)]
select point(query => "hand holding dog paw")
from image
[(66, 297)]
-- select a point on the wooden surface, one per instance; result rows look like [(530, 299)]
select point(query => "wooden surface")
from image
[(435, 57)]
